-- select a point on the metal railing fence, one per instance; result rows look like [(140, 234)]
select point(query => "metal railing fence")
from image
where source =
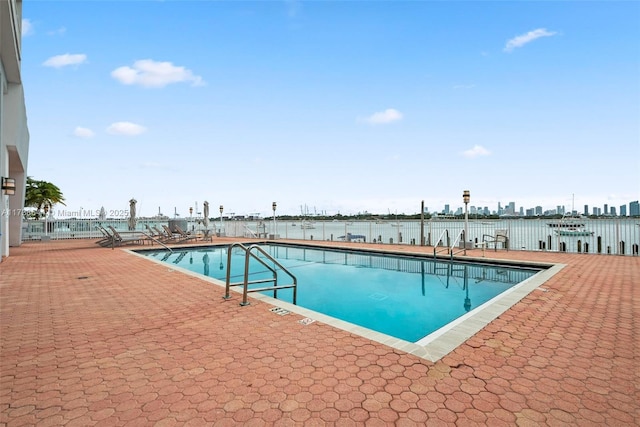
[(615, 236)]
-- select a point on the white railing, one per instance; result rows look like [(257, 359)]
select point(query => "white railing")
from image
[(616, 236)]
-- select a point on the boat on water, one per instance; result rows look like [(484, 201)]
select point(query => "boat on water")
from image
[(307, 225), (581, 231), (570, 225), (443, 217), (567, 224), (353, 238)]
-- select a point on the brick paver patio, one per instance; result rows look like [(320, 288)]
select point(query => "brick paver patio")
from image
[(94, 336)]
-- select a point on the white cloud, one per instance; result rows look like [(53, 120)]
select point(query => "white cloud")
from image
[(523, 39), (81, 132), (383, 117), (27, 27), (59, 31), (476, 151), (293, 7), (126, 128), (64, 60), (150, 73)]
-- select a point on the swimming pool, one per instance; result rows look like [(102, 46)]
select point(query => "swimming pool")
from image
[(406, 297)]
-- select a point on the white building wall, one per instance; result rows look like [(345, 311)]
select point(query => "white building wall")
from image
[(14, 133)]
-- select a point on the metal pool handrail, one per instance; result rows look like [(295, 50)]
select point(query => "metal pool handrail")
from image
[(455, 242), (437, 242), (246, 282)]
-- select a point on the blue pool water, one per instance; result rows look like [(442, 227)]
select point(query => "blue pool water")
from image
[(404, 297)]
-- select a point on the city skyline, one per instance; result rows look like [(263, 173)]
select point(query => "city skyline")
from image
[(509, 209)]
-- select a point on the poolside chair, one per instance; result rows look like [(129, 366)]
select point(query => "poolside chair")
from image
[(107, 237), (163, 236), (169, 234), (133, 239), (156, 234), (184, 236), (500, 236)]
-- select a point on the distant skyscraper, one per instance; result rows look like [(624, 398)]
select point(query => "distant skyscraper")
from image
[(538, 210), (634, 208), (623, 210), (606, 209), (586, 209), (446, 209), (613, 211)]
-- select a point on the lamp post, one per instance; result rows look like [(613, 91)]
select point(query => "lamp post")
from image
[(221, 209), (46, 212), (275, 227), (190, 217), (465, 198)]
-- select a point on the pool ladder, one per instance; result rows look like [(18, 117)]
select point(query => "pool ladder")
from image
[(250, 252), (449, 247)]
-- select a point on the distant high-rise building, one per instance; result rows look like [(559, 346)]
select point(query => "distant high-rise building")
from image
[(521, 211), (586, 209), (531, 212), (613, 211), (596, 211), (634, 208), (606, 209), (623, 210), (538, 210), (446, 209), (512, 208)]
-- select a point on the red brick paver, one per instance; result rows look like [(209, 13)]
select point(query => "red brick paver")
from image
[(94, 336)]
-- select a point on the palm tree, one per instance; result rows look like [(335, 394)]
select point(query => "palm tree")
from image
[(42, 194)]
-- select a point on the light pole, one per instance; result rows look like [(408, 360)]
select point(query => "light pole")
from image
[(46, 212), (190, 217), (465, 198), (221, 209), (275, 227)]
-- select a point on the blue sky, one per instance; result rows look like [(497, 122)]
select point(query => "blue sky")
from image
[(342, 106)]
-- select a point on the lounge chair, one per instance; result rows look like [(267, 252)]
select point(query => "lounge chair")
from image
[(162, 235), (133, 239), (184, 236), (107, 237), (500, 236), (156, 234), (169, 235)]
